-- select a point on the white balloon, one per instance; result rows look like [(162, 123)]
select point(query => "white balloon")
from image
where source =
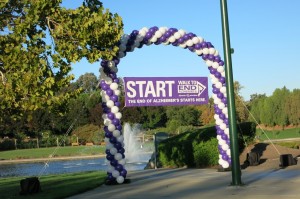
[(109, 146), (110, 168), (153, 39), (120, 138), (122, 161), (140, 38), (118, 156), (114, 69), (111, 64), (171, 39), (211, 51), (120, 179), (226, 131), (182, 45), (225, 147), (111, 127), (114, 86), (223, 90), (199, 52), (117, 92), (216, 53), (223, 126), (217, 101), (107, 122), (177, 35), (108, 80), (228, 152), (110, 103), (118, 115), (215, 65), (223, 74), (158, 34), (106, 140), (136, 44), (113, 151), (115, 173), (219, 122), (121, 54), (209, 63), (225, 164), (222, 142), (116, 133), (104, 116), (189, 42), (220, 69), (216, 116), (195, 40), (219, 85), (221, 161), (122, 47), (205, 51), (114, 109), (162, 30), (200, 39), (181, 32)]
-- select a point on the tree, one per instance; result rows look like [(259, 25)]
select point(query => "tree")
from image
[(241, 110), (38, 42), (87, 82)]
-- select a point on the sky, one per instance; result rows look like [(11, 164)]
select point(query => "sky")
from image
[(265, 36)]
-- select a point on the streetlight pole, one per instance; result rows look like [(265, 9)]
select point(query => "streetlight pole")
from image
[(234, 147)]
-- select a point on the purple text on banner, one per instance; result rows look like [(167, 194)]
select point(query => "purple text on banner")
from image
[(165, 91)]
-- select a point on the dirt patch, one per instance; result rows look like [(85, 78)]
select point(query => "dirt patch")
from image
[(269, 154)]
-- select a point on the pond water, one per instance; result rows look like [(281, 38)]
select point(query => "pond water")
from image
[(67, 166)]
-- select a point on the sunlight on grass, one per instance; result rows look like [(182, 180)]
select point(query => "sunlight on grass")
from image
[(55, 186)]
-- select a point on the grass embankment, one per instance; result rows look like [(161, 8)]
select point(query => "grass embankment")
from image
[(279, 134), (55, 152), (54, 186)]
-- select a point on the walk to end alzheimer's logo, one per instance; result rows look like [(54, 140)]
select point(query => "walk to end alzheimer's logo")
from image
[(165, 91)]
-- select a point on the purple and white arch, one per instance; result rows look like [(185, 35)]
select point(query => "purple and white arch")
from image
[(109, 84)]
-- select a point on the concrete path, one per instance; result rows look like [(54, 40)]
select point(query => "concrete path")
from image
[(203, 183)]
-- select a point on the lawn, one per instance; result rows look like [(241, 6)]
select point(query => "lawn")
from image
[(54, 186), (279, 134), (56, 152)]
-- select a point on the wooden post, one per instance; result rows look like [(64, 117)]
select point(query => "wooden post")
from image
[(37, 142), (16, 144)]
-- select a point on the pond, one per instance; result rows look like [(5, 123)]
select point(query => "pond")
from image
[(66, 166)]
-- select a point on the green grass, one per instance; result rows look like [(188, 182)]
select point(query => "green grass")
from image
[(46, 152), (54, 186), (279, 134)]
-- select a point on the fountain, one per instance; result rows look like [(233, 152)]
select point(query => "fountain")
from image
[(134, 152)]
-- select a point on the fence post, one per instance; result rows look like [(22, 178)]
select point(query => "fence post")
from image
[(37, 142), (16, 144)]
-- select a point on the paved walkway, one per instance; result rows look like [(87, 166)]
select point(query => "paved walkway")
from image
[(203, 183)]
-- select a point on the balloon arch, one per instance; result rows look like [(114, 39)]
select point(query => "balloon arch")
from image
[(109, 84)]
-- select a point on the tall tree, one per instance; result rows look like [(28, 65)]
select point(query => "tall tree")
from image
[(38, 42), (240, 104)]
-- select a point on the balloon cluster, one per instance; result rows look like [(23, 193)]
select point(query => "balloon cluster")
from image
[(109, 84)]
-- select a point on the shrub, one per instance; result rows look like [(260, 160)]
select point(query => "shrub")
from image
[(206, 153), (89, 133)]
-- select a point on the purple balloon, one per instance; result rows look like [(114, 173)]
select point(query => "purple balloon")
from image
[(222, 80), (211, 57), (114, 98), (226, 121), (112, 139), (217, 74), (212, 70), (180, 40), (224, 136), (116, 121), (116, 60), (204, 57), (167, 34), (209, 45), (114, 163), (204, 45), (216, 90), (220, 132), (106, 110), (173, 30), (197, 46), (104, 87), (103, 63), (119, 167), (148, 35), (123, 173), (224, 100), (109, 92), (191, 48), (221, 63), (107, 151), (121, 150), (119, 127), (225, 157), (109, 157), (116, 80), (118, 145), (217, 58), (163, 38), (218, 111), (108, 135), (220, 95), (186, 37), (118, 104)]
